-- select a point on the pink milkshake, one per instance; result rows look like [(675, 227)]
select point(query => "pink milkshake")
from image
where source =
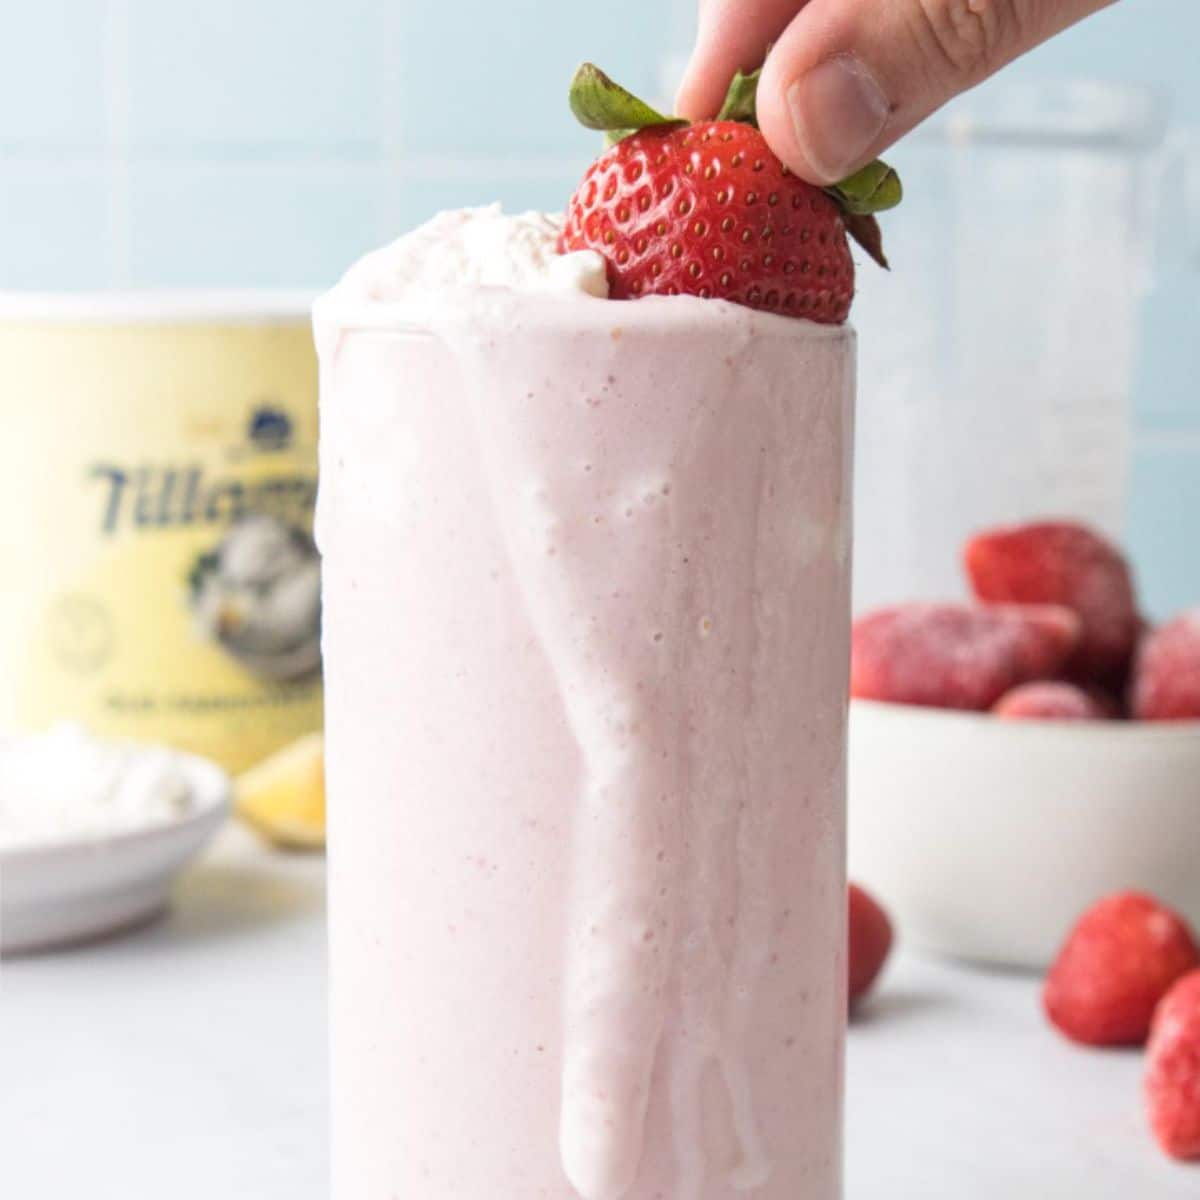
[(586, 644)]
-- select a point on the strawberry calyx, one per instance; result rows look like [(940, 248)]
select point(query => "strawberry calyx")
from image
[(741, 101), (602, 104)]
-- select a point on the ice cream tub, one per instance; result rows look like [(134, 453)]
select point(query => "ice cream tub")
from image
[(158, 477)]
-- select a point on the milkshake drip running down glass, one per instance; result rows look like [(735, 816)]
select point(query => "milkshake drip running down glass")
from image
[(586, 639)]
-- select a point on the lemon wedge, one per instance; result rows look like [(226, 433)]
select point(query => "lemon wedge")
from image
[(283, 797)]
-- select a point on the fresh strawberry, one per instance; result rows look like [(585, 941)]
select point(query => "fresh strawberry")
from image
[(1166, 674), (1173, 1070), (870, 940), (1059, 562), (952, 656), (708, 210), (1119, 961), (1051, 700)]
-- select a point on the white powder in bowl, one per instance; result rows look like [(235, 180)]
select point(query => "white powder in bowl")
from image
[(66, 784)]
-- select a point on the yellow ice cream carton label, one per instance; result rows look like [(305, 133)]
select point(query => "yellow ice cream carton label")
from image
[(158, 476)]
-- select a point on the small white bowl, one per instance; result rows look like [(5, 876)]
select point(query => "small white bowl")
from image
[(986, 838), (75, 890)]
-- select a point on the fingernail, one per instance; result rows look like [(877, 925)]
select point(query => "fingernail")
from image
[(838, 110)]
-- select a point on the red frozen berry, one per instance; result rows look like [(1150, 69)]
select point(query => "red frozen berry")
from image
[(1123, 955), (1058, 562), (1166, 674), (1173, 1070), (870, 940), (953, 656), (1050, 700)]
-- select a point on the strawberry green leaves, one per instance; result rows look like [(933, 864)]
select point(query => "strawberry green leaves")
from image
[(864, 229), (741, 99), (599, 103), (875, 188)]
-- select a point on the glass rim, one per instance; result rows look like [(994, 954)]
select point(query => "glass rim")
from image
[(338, 313), (1085, 114)]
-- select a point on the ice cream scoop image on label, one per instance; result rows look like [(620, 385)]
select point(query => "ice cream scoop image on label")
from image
[(258, 595)]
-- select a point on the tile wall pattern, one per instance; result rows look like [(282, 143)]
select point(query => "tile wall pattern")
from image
[(269, 142)]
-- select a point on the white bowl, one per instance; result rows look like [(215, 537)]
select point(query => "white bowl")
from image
[(74, 890), (986, 838)]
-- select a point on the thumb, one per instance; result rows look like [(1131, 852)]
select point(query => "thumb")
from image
[(845, 81)]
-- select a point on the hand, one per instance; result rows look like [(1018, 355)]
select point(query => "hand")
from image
[(847, 78)]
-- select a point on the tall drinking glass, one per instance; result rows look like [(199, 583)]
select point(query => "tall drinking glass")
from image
[(586, 632)]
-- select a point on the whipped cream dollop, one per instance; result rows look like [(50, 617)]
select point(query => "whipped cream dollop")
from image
[(65, 784), (470, 248)]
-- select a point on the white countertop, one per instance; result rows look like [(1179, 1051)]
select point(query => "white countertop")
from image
[(187, 1062)]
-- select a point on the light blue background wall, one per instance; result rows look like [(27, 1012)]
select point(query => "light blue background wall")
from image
[(269, 142), (1156, 43), (213, 142)]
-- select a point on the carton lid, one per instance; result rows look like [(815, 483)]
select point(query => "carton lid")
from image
[(176, 306)]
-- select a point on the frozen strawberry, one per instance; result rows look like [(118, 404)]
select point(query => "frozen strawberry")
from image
[(1058, 562), (1119, 961), (953, 656), (870, 940), (1166, 675), (1173, 1070), (1112, 707), (708, 210), (1050, 700)]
